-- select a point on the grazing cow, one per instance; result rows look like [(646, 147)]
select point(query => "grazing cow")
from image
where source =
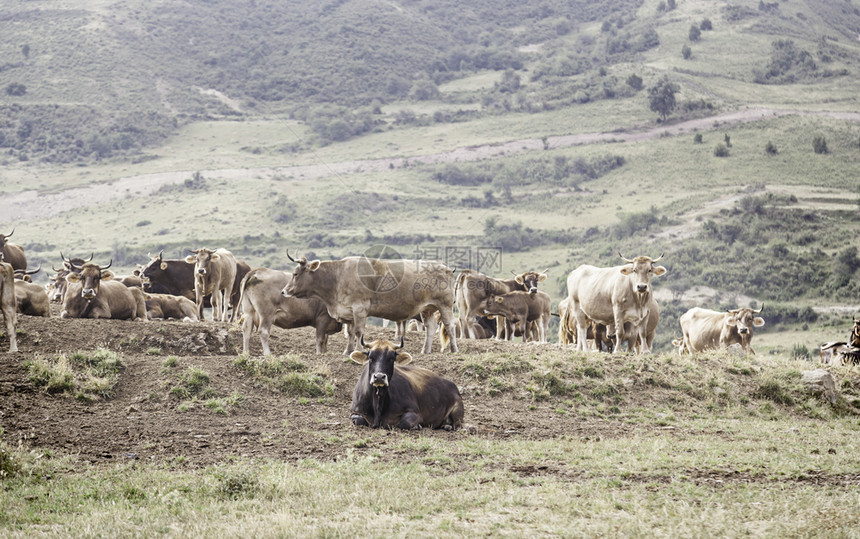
[(165, 307), (357, 287), (13, 254), (31, 299), (473, 289), (521, 308), (389, 393), (263, 305), (7, 302), (92, 293), (214, 273), (847, 352), (613, 297), (704, 329)]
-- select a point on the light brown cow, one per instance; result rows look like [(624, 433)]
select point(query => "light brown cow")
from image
[(7, 303), (31, 299), (473, 289), (704, 329), (214, 273), (167, 306), (13, 254), (614, 297), (263, 305), (596, 333), (357, 287), (91, 292), (522, 308)]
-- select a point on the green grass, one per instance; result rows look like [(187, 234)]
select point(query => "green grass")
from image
[(720, 478), (87, 375)]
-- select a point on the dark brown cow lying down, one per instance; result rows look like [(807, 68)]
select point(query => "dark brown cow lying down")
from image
[(391, 394)]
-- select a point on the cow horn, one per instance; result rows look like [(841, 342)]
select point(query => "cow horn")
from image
[(515, 274), (658, 258), (161, 254), (55, 269), (90, 259), (33, 272), (106, 267), (291, 258), (9, 234), (759, 309), (545, 271), (361, 342), (624, 259), (402, 340), (64, 257)]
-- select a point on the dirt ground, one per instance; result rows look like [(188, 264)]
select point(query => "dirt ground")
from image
[(142, 420)]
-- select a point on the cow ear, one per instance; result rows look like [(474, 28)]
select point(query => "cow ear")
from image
[(542, 277), (73, 277), (190, 259), (627, 270), (136, 273), (163, 266), (731, 321), (106, 275), (402, 358), (313, 265), (758, 321), (214, 256), (359, 357), (519, 279), (659, 270), (499, 299)]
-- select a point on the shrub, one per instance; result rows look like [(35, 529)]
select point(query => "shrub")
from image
[(686, 52), (695, 33), (721, 150), (697, 138), (770, 148), (819, 144), (16, 89)]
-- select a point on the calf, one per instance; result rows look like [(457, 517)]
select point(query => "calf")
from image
[(7, 302), (263, 305), (31, 299), (167, 306), (521, 308), (704, 329), (214, 273), (91, 292), (390, 393)]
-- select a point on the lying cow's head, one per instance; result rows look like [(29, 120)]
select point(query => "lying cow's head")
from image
[(301, 284), (529, 280), (24, 275), (743, 320), (90, 276), (640, 270), (380, 357), (202, 260)]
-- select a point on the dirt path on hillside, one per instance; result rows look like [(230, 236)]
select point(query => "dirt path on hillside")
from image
[(30, 205)]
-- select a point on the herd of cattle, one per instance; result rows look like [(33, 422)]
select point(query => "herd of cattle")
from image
[(605, 309)]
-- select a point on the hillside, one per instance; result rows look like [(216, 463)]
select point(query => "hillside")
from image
[(510, 129)]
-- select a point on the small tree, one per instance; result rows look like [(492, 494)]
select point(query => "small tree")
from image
[(697, 138), (770, 148), (706, 25), (661, 97), (819, 144), (695, 33), (634, 81), (686, 52)]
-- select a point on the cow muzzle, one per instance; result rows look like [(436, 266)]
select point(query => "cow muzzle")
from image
[(642, 288), (533, 291), (743, 331), (88, 293), (379, 379), (201, 271)]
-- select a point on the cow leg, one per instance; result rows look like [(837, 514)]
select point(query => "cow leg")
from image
[(226, 304), (321, 336), (447, 316), (11, 318), (359, 319), (410, 420), (247, 328), (430, 331)]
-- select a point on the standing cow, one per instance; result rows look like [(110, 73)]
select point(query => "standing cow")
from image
[(389, 393), (614, 297), (473, 289), (7, 302), (704, 329), (357, 287), (13, 253), (264, 306), (521, 309), (91, 292), (214, 273)]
